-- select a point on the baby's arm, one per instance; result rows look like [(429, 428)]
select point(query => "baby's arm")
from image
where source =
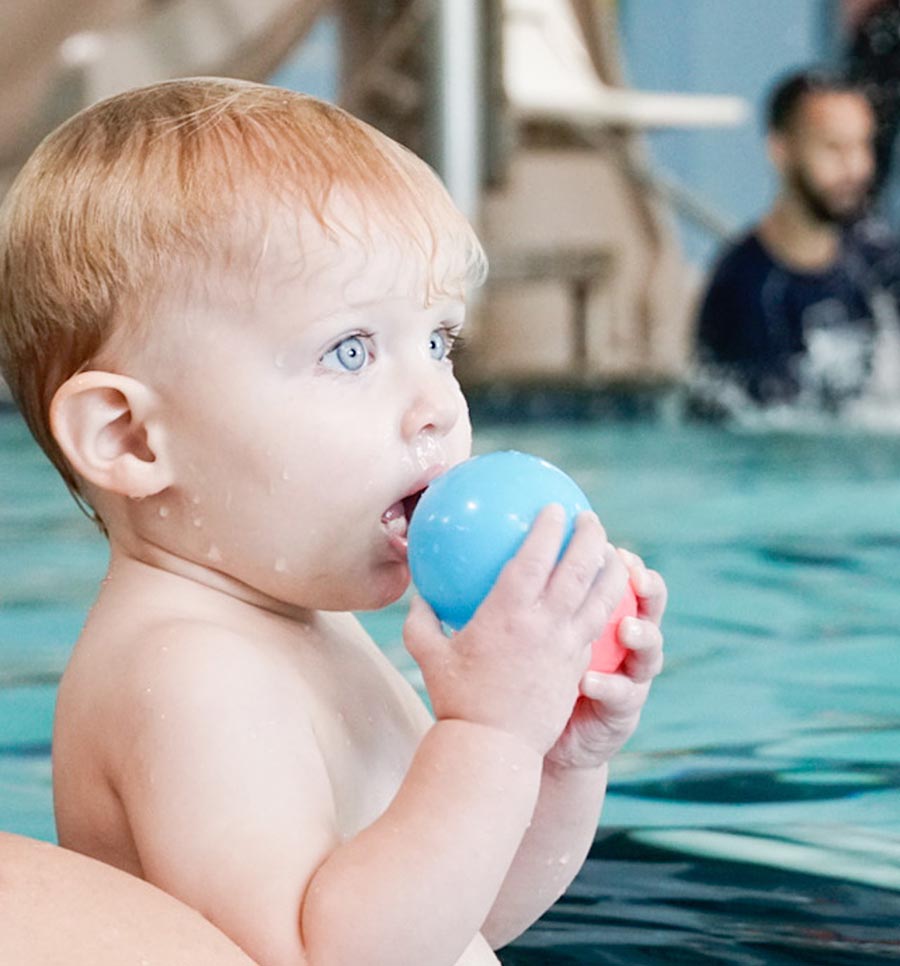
[(575, 773), (230, 805), (230, 800)]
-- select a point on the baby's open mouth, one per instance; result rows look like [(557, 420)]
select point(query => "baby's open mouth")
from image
[(396, 517)]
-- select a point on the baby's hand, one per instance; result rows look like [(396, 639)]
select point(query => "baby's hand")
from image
[(516, 666), (609, 709)]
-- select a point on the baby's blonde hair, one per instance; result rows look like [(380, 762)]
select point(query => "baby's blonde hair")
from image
[(137, 190)]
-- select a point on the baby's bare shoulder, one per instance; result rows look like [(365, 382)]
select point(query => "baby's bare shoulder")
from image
[(168, 674), (198, 666)]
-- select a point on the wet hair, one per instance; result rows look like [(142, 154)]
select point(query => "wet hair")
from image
[(135, 194), (789, 92)]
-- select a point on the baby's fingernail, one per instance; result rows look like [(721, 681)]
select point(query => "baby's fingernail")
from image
[(640, 581), (630, 630)]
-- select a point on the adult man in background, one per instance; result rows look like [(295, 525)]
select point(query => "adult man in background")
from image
[(793, 307)]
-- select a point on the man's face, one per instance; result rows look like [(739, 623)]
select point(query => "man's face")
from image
[(826, 157)]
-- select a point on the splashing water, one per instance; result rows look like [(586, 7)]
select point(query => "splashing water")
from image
[(836, 363), (833, 367)]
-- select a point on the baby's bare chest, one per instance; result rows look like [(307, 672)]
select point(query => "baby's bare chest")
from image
[(368, 733)]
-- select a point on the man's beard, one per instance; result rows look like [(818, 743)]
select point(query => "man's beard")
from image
[(817, 204)]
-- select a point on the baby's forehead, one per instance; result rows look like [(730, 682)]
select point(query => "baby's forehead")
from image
[(364, 260)]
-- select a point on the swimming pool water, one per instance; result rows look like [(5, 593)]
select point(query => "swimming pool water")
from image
[(755, 816)]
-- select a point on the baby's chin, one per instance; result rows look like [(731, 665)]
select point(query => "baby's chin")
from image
[(386, 592)]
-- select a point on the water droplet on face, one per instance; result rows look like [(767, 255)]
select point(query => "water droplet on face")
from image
[(163, 511), (429, 451), (195, 500), (197, 521), (285, 475), (280, 565), (214, 554)]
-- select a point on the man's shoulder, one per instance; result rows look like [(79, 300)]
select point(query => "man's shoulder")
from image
[(873, 239), (739, 267), (740, 252), (872, 233)]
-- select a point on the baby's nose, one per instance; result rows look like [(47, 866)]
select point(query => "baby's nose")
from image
[(432, 408)]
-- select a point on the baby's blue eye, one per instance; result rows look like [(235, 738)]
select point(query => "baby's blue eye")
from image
[(351, 354), (439, 344)]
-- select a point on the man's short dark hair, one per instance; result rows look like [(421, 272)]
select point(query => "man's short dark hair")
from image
[(788, 94)]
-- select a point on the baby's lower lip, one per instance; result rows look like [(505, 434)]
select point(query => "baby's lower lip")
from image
[(399, 545)]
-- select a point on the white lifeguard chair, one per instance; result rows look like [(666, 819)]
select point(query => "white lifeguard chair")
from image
[(548, 75)]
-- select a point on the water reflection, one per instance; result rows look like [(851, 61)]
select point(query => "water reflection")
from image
[(637, 905)]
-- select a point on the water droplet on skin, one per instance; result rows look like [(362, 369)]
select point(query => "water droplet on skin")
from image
[(197, 521), (163, 511), (195, 500), (214, 554), (280, 565), (280, 360), (564, 859), (285, 475)]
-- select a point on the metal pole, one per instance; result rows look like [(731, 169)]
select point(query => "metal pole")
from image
[(459, 100)]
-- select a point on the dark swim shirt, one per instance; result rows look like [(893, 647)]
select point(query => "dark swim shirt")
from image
[(777, 331)]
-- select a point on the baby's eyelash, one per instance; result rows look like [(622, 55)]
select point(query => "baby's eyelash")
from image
[(454, 338), (353, 334)]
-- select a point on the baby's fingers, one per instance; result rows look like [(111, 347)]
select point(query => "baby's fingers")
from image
[(523, 580), (644, 641), (649, 587), (422, 631), (606, 592), (616, 696), (583, 561)]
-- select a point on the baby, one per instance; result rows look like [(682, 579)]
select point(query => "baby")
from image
[(228, 312)]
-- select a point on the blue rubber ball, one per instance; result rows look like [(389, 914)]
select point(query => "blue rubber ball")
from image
[(473, 519)]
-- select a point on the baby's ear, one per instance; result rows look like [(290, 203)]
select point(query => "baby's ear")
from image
[(110, 430)]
